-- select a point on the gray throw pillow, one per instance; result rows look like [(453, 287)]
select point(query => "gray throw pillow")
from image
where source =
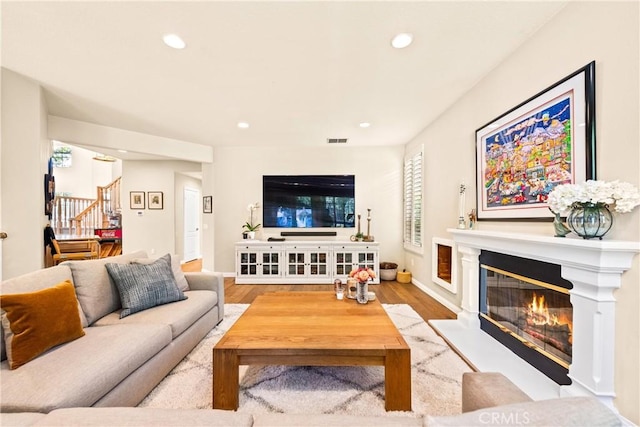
[(144, 286)]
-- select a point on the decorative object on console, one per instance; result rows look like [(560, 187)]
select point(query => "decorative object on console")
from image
[(461, 222), (588, 205), (589, 220), (561, 229), (368, 237), (546, 141), (472, 219), (362, 276), (249, 225)]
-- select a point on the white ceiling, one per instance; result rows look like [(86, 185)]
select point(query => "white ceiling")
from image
[(298, 72)]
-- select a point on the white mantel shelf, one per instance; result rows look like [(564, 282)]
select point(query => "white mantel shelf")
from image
[(598, 254), (594, 267)]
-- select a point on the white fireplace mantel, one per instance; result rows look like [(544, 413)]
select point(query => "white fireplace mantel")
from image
[(594, 267)]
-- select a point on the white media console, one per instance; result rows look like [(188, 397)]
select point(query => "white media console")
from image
[(265, 262)]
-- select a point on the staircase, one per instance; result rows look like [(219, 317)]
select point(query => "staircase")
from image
[(77, 216)]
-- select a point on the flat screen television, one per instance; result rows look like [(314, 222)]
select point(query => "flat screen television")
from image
[(308, 201)]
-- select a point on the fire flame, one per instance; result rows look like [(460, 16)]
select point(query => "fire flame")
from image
[(538, 315), (538, 312)]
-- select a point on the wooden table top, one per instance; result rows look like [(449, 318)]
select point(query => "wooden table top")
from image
[(298, 321)]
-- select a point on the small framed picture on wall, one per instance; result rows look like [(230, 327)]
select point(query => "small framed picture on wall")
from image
[(155, 200), (207, 202), (136, 199)]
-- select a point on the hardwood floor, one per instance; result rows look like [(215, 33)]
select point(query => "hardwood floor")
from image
[(388, 292)]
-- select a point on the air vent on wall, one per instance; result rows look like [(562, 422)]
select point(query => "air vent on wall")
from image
[(336, 140)]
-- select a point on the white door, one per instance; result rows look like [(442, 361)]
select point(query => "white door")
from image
[(191, 224)]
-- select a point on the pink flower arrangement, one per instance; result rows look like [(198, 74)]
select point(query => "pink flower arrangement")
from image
[(363, 274)]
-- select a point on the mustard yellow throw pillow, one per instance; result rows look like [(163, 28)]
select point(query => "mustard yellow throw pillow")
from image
[(37, 321)]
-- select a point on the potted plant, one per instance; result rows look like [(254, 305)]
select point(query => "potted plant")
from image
[(388, 270), (250, 227)]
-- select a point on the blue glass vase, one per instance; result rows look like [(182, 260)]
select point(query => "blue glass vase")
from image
[(590, 220)]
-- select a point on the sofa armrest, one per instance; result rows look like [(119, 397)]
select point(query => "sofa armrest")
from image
[(487, 389), (564, 411), (204, 281)]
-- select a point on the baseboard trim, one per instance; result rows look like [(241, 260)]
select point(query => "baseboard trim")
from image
[(436, 296)]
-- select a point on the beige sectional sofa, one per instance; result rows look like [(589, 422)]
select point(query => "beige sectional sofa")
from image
[(518, 410), (118, 361), (97, 379)]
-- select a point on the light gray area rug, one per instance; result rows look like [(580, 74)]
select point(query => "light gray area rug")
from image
[(436, 372)]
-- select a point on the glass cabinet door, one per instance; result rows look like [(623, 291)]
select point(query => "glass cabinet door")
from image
[(343, 263), (248, 263), (318, 263), (270, 264)]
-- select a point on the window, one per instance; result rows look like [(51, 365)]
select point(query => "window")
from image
[(413, 201), (62, 157)]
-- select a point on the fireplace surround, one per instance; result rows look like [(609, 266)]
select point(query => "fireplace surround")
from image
[(526, 306), (594, 269)]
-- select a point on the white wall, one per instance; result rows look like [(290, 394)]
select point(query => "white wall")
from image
[(238, 182), (155, 231), (25, 152), (607, 32)]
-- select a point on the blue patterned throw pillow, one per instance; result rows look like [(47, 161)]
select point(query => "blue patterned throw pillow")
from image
[(142, 286)]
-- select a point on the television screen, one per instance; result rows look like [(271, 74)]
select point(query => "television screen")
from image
[(306, 201)]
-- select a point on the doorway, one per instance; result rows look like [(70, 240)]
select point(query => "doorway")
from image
[(191, 224)]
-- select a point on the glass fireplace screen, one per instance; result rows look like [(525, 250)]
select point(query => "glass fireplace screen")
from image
[(538, 314)]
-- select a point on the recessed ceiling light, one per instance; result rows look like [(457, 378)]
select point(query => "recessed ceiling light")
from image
[(122, 151), (243, 125), (365, 124), (402, 40), (174, 41)]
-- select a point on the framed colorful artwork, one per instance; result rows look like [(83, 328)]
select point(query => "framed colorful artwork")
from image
[(547, 140)]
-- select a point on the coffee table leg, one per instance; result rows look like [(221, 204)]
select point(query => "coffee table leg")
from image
[(397, 379), (225, 379)]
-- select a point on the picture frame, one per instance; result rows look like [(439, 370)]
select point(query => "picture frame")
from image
[(136, 199), (547, 140), (207, 204), (155, 199)]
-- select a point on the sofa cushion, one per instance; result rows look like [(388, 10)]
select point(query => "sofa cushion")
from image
[(97, 294), (487, 389), (20, 419), (144, 417), (81, 372), (566, 412), (179, 315), (39, 279), (143, 286), (176, 268), (295, 420), (36, 321)]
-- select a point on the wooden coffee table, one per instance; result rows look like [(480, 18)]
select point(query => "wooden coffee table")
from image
[(312, 329)]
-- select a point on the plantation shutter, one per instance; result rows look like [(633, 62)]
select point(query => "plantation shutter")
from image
[(413, 201)]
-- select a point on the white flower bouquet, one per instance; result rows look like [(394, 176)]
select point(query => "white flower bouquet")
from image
[(620, 196)]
